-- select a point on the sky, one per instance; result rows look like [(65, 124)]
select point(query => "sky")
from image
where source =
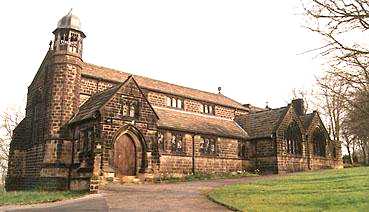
[(249, 48)]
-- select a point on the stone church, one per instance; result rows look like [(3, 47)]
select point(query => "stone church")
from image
[(86, 125)]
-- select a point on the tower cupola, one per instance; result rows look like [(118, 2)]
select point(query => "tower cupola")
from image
[(68, 35), (69, 21)]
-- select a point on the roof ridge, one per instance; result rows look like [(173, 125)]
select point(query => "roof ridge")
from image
[(136, 75), (169, 83), (279, 108)]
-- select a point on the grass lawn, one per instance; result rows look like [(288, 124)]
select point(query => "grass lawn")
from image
[(31, 197), (329, 190)]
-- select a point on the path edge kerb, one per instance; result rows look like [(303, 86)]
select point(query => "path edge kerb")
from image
[(222, 204), (49, 204)]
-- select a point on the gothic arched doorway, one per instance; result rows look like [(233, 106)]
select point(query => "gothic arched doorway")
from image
[(128, 155), (125, 156)]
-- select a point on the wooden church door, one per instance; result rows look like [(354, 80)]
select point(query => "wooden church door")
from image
[(125, 156)]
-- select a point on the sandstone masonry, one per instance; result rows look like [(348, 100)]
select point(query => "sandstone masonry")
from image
[(86, 125)]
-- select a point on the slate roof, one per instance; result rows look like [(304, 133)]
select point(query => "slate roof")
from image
[(261, 124), (94, 103), (160, 86), (198, 123)]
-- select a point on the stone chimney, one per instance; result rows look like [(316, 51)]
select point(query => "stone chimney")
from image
[(298, 105)]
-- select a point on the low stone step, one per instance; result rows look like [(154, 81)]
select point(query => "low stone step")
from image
[(127, 179)]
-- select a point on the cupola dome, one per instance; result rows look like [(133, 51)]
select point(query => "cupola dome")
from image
[(69, 21)]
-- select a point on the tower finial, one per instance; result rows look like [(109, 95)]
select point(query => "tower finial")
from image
[(70, 11), (267, 105)]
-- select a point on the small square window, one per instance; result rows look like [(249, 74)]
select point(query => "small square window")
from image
[(169, 102), (206, 109), (174, 102), (211, 109)]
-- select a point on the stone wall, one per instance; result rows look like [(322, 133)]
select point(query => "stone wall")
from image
[(155, 99), (324, 163), (264, 165), (225, 159), (176, 164), (91, 85), (63, 96), (292, 163), (25, 170), (262, 154)]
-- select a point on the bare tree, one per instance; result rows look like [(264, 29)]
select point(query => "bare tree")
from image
[(359, 125), (343, 26), (332, 106), (340, 23), (9, 120)]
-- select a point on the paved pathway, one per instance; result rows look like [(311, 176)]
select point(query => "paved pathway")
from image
[(186, 196)]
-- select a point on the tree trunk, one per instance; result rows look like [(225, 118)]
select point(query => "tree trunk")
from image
[(349, 153), (353, 153), (364, 154)]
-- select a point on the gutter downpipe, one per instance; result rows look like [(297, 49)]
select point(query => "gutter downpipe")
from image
[(193, 155)]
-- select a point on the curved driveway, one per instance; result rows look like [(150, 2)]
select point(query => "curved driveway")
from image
[(185, 196)]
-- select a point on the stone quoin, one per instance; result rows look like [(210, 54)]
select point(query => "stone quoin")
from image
[(86, 125)]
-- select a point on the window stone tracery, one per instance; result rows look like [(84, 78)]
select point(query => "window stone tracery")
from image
[(177, 143), (129, 108), (161, 143), (208, 146), (319, 143), (293, 139)]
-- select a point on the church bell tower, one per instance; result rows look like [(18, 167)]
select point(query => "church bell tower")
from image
[(62, 90), (68, 35)]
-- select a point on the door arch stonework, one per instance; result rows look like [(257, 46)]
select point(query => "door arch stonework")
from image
[(125, 135)]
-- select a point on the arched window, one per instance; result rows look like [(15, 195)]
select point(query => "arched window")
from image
[(319, 142), (293, 139)]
